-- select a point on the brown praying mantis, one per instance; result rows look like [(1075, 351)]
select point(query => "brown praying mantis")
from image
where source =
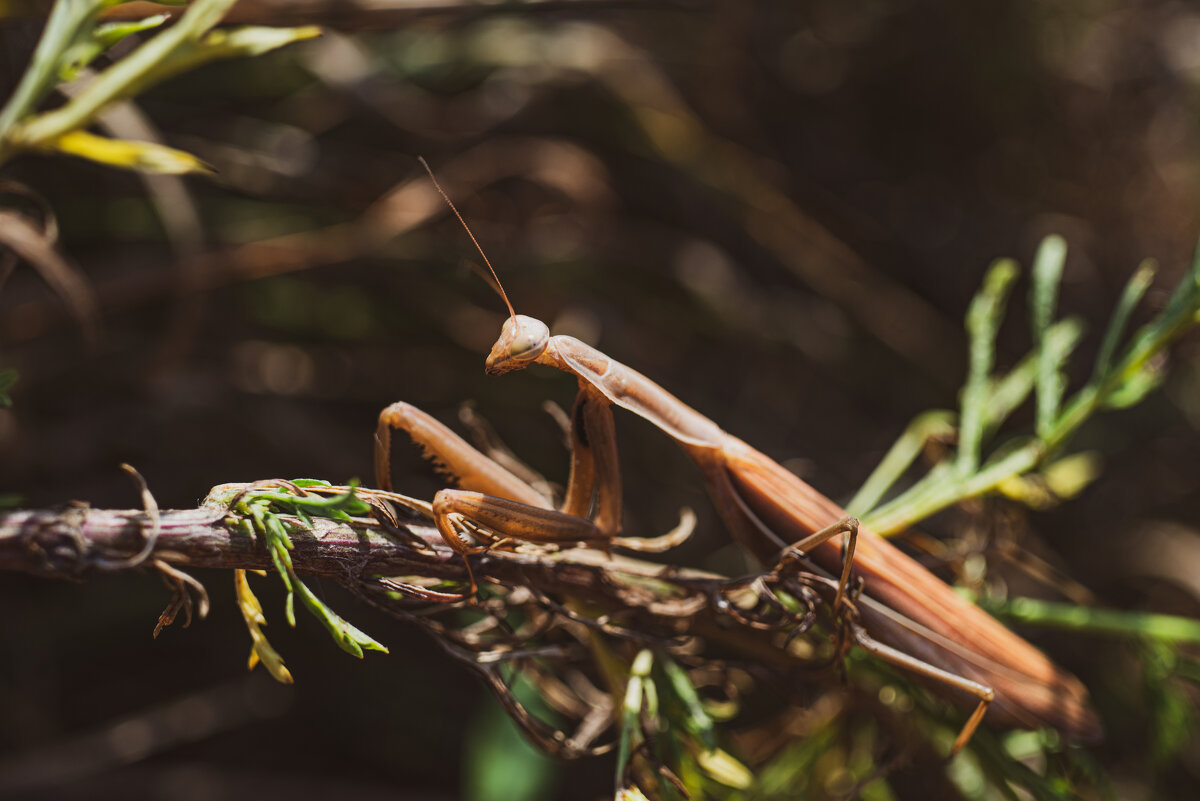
[(907, 616)]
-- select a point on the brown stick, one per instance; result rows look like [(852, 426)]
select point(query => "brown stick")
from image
[(74, 542)]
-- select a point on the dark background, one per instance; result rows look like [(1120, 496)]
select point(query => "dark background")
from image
[(777, 210)]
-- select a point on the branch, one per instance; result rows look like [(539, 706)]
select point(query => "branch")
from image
[(74, 542), (78, 541)]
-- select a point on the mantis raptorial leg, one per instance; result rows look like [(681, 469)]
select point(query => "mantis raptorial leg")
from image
[(907, 614), (494, 504), (492, 499)]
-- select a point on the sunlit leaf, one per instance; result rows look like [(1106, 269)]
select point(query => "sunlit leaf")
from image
[(631, 707), (1027, 491), (141, 156), (267, 524), (1135, 388), (697, 719), (983, 320), (1135, 288), (1070, 475), (722, 767), (1169, 628), (260, 649), (224, 43), (101, 39), (1043, 299), (349, 637)]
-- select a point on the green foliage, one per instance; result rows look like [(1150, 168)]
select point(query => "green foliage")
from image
[(1029, 467), (1167, 629), (668, 739), (273, 514), (7, 379), (74, 38), (988, 399), (501, 764)]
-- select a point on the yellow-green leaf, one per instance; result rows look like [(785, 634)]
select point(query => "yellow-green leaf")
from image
[(721, 766), (260, 649), (140, 156), (1030, 491), (1070, 475), (630, 794)]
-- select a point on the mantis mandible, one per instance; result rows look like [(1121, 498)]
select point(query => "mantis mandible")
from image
[(908, 616)]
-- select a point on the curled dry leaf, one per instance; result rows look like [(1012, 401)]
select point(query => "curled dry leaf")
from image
[(21, 235)]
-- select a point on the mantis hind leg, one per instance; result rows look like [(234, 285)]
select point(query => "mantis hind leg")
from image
[(759, 539), (984, 694), (847, 526)]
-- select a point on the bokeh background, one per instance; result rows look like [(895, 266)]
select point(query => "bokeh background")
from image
[(779, 210)]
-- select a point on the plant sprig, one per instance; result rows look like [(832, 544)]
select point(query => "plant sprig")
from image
[(265, 512), (74, 37), (1031, 469), (662, 717), (988, 399)]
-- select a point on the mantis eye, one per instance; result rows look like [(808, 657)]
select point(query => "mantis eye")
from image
[(526, 337), (522, 340), (525, 343)]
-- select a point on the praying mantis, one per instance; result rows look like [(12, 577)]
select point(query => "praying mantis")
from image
[(906, 615)]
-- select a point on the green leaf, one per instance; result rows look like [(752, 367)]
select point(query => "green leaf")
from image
[(7, 379), (1135, 288), (1173, 716), (983, 320), (899, 458), (141, 156), (1135, 388), (631, 707), (101, 39), (1010, 392), (697, 720), (214, 46), (68, 24), (319, 505), (182, 46), (500, 764), (1169, 628), (722, 767), (257, 505), (1070, 475), (350, 638), (1043, 299)]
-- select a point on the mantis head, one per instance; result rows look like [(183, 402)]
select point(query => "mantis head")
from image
[(522, 340)]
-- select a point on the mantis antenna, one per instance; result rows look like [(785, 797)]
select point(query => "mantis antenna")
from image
[(499, 287)]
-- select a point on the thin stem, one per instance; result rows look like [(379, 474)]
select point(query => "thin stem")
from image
[(1103, 621), (123, 77), (67, 19), (951, 483), (950, 489), (901, 456)]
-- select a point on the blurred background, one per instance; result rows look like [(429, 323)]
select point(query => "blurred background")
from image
[(778, 210)]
